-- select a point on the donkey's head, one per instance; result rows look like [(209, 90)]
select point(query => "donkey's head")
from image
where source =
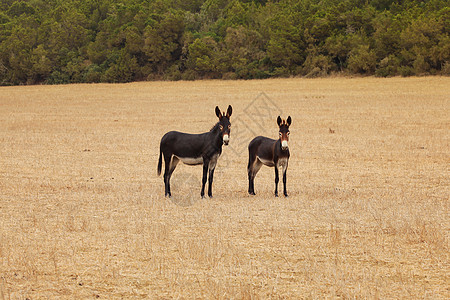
[(284, 131), (224, 123)]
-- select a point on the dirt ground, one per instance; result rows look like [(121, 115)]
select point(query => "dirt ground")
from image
[(83, 213)]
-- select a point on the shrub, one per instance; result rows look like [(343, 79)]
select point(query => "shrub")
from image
[(446, 69), (93, 74), (316, 65), (58, 77), (362, 60), (388, 67), (406, 71), (420, 66), (173, 73)]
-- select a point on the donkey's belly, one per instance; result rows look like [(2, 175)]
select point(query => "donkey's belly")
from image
[(191, 160), (267, 162)]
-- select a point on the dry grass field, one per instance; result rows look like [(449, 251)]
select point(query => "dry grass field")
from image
[(83, 213)]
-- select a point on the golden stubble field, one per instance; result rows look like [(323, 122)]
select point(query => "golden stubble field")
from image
[(82, 211)]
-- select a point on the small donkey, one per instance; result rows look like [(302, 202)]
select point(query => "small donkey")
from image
[(272, 153)]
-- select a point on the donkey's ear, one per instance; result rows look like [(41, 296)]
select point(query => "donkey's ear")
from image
[(229, 111), (218, 113), (289, 121), (279, 121)]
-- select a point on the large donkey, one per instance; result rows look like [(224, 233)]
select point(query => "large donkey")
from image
[(272, 153), (195, 149)]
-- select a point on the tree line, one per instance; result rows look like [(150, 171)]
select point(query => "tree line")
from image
[(74, 41)]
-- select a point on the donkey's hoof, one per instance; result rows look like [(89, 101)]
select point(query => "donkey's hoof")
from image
[(252, 193), (276, 194), (286, 195)]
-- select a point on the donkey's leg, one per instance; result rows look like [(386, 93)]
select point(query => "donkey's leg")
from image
[(210, 181), (252, 174), (167, 162), (251, 162), (173, 165), (277, 178), (284, 180), (211, 168), (205, 176), (251, 184)]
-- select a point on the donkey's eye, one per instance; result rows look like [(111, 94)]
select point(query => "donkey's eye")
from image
[(288, 133), (280, 133), (221, 127), (229, 126)]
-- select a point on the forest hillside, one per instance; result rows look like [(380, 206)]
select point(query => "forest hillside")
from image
[(72, 41)]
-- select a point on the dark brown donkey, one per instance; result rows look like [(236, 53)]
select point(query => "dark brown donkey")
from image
[(195, 149), (270, 152)]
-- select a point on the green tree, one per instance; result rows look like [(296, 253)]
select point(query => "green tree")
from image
[(203, 58), (163, 42), (245, 54), (124, 69)]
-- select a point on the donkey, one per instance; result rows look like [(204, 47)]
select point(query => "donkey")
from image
[(272, 153), (195, 149)]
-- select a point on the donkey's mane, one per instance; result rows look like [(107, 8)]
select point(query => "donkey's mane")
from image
[(214, 127)]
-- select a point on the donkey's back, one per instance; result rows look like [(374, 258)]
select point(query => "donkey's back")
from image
[(183, 144), (261, 144)]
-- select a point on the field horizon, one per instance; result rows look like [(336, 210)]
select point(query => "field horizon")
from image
[(83, 212)]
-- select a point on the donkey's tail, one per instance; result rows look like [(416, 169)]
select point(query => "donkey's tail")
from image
[(160, 162)]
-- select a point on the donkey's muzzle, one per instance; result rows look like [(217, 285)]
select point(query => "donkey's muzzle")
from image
[(284, 145), (226, 139)]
